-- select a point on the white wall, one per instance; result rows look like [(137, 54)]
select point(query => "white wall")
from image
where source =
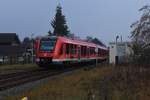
[(112, 53), (122, 50)]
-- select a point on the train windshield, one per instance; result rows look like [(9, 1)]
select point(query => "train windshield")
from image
[(48, 44)]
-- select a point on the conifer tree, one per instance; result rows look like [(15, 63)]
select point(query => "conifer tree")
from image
[(59, 23)]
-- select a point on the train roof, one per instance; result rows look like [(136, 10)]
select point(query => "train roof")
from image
[(75, 41), (80, 42)]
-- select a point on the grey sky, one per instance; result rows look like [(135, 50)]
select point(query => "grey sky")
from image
[(103, 19)]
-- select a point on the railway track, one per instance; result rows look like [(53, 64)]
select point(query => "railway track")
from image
[(15, 79), (2, 76)]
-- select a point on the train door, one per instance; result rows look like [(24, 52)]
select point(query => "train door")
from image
[(79, 52), (88, 52), (67, 51), (64, 50)]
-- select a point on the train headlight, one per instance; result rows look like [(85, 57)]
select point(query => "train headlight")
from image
[(37, 59)]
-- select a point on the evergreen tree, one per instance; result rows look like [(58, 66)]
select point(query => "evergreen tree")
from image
[(59, 23), (95, 40)]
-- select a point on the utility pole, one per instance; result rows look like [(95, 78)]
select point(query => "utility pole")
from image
[(32, 48), (117, 38), (96, 50)]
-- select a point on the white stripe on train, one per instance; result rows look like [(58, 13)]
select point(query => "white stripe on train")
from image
[(75, 59)]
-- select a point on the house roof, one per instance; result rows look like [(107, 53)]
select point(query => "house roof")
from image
[(8, 38)]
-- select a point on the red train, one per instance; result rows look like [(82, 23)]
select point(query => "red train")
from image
[(57, 49)]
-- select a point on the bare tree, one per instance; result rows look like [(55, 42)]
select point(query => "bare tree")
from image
[(141, 36), (141, 28)]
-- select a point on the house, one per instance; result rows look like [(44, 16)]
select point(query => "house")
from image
[(119, 52), (11, 50)]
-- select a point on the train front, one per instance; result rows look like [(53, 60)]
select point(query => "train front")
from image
[(45, 48)]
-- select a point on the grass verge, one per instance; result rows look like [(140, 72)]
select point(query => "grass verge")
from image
[(101, 83), (5, 69)]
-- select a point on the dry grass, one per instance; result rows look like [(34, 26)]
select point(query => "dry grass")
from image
[(131, 83), (78, 86), (101, 83), (5, 69)]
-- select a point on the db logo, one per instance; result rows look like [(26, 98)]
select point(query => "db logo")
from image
[(45, 54)]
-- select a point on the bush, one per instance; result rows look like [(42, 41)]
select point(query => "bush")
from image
[(142, 57)]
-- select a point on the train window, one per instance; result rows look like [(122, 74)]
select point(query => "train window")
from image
[(75, 48), (61, 49), (82, 50), (67, 48), (47, 45), (85, 50), (99, 51), (88, 51), (71, 49), (92, 50)]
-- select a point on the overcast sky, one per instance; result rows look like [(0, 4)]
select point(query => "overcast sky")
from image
[(103, 19)]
